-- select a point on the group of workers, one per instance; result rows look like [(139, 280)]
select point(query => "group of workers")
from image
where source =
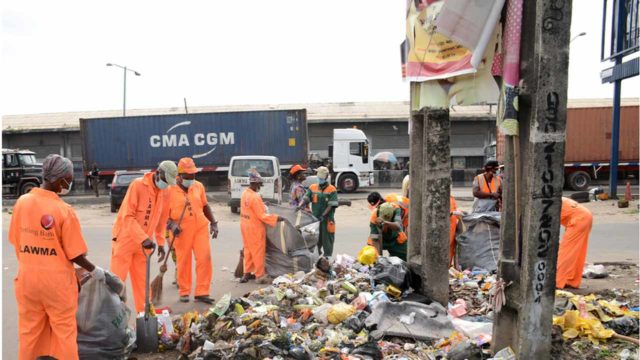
[(166, 205), (169, 206)]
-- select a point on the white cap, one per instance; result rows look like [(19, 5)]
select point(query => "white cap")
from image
[(170, 171), (322, 173)]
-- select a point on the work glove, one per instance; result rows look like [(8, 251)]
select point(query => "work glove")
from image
[(213, 230), (148, 244), (174, 228), (161, 253), (98, 273)]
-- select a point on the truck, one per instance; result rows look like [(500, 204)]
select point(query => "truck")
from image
[(20, 172), (588, 145), (212, 139)]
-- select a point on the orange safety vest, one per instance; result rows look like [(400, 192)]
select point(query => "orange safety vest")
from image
[(495, 184)]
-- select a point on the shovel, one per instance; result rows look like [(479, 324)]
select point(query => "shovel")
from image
[(147, 326)]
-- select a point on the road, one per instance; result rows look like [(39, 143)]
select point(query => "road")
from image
[(614, 238)]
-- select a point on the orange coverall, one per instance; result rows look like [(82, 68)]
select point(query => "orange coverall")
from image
[(46, 235), (138, 219), (193, 238), (453, 223), (577, 221), (403, 202), (253, 217)]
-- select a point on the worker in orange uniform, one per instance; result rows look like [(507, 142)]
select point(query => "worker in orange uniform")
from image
[(577, 221), (253, 218), (487, 189), (197, 224), (46, 234), (138, 219)]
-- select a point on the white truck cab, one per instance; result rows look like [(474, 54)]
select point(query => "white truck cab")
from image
[(352, 164), (238, 176)]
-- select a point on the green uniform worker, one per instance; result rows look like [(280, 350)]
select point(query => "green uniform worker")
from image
[(324, 201), (386, 226)]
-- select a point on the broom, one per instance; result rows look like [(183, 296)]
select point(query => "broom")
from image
[(156, 284)]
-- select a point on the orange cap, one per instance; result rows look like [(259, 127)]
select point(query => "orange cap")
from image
[(296, 168), (187, 166)]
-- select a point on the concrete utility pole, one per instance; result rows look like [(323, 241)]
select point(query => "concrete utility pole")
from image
[(526, 320), (430, 173)]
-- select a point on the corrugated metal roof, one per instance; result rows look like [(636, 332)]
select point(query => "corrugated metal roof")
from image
[(316, 112)]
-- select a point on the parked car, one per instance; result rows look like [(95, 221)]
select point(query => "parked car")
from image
[(120, 184), (269, 169)]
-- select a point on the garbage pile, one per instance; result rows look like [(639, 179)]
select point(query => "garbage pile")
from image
[(340, 310)]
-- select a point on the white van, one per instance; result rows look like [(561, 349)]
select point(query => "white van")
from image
[(269, 169)]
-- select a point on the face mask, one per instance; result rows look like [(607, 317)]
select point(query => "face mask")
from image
[(187, 183), (161, 184), (322, 181), (65, 191)]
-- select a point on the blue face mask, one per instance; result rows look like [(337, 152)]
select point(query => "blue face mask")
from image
[(186, 183), (322, 181), (161, 184)]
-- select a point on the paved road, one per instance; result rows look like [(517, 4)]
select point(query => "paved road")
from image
[(609, 242)]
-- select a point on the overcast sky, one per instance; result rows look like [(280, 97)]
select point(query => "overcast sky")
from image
[(227, 52)]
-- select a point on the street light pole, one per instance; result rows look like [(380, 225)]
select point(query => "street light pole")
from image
[(124, 92)]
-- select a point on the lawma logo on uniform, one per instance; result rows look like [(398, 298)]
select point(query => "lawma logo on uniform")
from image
[(169, 140), (37, 250)]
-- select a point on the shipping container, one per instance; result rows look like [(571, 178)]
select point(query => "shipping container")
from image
[(588, 144), (211, 139)]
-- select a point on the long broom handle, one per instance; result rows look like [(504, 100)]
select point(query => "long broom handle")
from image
[(184, 209)]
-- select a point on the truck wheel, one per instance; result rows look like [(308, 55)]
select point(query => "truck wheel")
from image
[(234, 209), (26, 187), (579, 180), (348, 183)]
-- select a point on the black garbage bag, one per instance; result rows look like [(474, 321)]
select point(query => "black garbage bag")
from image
[(479, 244), (355, 322), (392, 271), (625, 325), (370, 350)]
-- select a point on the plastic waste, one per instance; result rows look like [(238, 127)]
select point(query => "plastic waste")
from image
[(369, 350), (407, 319), (472, 329), (458, 309), (368, 255), (574, 325), (321, 313), (595, 272), (504, 354), (479, 245), (392, 271), (103, 320), (626, 325), (340, 312), (222, 305), (355, 322)]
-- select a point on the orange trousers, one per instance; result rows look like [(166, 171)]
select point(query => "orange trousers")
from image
[(128, 258), (47, 305), (573, 251), (254, 239), (193, 242)]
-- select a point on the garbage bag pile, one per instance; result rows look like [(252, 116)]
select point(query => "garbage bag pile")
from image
[(340, 310)]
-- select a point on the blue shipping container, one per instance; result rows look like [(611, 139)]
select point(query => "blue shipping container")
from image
[(211, 139)]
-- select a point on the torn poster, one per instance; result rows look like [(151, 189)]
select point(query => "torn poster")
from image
[(443, 66)]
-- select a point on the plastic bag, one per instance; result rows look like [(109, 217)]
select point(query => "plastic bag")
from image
[(392, 271), (300, 230), (340, 312), (624, 326), (479, 245), (369, 350), (277, 263), (355, 322), (103, 319), (368, 255)]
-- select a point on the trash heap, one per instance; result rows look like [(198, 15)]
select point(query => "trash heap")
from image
[(339, 310)]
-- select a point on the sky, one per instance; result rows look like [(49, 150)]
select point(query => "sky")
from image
[(54, 53)]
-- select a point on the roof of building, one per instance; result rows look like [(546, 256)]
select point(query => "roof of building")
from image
[(316, 113)]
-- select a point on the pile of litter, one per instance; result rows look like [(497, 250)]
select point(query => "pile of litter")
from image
[(339, 310)]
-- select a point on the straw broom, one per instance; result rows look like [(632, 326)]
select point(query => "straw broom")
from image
[(156, 284)]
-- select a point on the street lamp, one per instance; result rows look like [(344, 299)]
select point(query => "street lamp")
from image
[(124, 98), (577, 36)]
